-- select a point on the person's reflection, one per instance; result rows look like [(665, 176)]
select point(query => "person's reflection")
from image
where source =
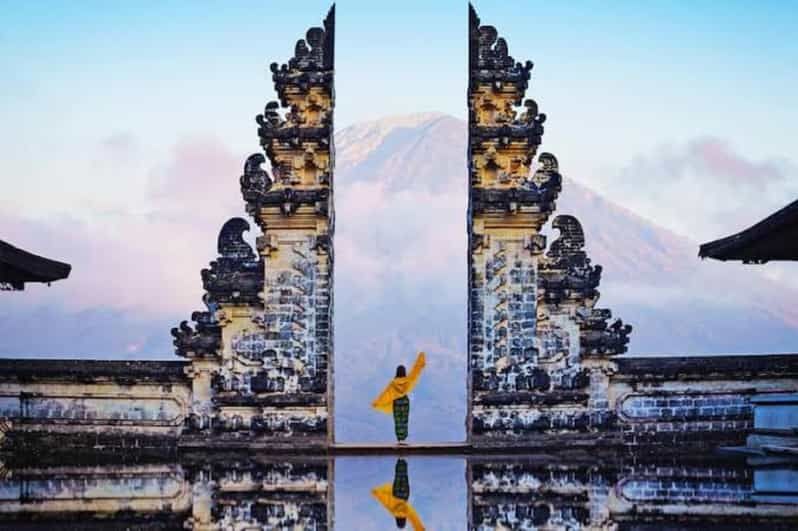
[(394, 497)]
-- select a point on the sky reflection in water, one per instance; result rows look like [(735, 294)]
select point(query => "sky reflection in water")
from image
[(437, 492)]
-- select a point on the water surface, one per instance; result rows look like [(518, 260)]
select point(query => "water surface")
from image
[(248, 491)]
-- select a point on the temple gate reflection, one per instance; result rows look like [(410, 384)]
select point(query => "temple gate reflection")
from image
[(213, 492)]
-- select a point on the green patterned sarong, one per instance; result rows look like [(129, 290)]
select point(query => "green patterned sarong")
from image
[(401, 417), (401, 482)]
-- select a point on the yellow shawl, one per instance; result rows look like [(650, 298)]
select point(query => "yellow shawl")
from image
[(399, 387), (397, 507)]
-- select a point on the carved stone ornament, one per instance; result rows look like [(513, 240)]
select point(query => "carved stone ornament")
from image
[(237, 275)]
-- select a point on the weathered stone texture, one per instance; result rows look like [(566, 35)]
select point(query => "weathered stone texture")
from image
[(49, 401), (208, 494), (262, 353), (263, 495), (543, 358), (686, 406), (532, 321), (544, 494), (696, 401)]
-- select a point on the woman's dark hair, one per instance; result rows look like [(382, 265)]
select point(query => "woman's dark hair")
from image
[(401, 372)]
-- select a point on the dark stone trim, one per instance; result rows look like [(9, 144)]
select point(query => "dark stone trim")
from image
[(503, 199), (127, 372), (516, 76), (43, 446), (293, 134), (242, 286), (523, 398), (531, 131), (736, 367), (485, 501), (303, 497), (89, 521), (289, 200), (502, 442), (299, 444), (559, 288), (301, 80), (676, 442), (659, 521), (276, 400), (297, 197)]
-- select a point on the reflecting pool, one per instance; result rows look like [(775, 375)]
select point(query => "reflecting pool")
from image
[(238, 492)]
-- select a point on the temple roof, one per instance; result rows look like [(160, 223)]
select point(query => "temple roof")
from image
[(773, 238), (18, 267)]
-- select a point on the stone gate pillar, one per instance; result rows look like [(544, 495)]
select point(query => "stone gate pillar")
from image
[(532, 325), (262, 353)]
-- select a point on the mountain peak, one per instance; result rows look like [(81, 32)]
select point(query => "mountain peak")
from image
[(356, 142), (397, 120)]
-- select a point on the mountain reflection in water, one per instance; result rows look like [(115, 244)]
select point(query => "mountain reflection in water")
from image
[(363, 493)]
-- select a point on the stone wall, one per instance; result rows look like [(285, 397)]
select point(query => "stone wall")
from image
[(206, 493), (262, 494), (552, 494), (697, 401), (658, 405), (651, 405), (90, 404)]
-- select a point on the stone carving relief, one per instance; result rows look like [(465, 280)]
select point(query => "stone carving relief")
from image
[(532, 316), (263, 348)]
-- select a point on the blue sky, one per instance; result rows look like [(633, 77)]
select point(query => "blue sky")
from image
[(633, 74)]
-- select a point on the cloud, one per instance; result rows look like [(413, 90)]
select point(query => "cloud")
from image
[(716, 159), (147, 257), (200, 180), (702, 189), (122, 146), (391, 239)]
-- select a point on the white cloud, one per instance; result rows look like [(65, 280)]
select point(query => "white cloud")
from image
[(146, 257), (703, 189)]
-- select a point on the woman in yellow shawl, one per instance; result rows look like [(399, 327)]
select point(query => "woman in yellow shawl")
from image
[(393, 398)]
